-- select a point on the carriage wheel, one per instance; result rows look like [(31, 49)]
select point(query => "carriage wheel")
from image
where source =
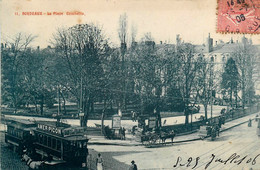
[(155, 138)]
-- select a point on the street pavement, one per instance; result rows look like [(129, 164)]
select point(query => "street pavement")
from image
[(118, 154), (237, 148)]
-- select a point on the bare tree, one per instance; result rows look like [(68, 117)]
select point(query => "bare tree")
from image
[(187, 73), (14, 54), (82, 50), (246, 59), (204, 82), (122, 33), (133, 33), (122, 29)]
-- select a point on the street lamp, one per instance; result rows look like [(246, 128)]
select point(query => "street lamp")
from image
[(211, 84)]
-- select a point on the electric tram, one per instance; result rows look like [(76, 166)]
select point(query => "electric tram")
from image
[(18, 135), (50, 142), (60, 141)]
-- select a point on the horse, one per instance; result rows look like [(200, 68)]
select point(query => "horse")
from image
[(164, 136)]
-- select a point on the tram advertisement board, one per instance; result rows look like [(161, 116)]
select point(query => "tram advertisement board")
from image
[(152, 122), (116, 122)]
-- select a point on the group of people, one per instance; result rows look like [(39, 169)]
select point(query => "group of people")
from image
[(100, 163), (110, 133)]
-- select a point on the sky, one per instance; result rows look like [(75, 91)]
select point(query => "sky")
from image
[(192, 19)]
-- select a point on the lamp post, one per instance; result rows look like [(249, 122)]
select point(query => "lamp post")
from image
[(211, 84), (81, 113)]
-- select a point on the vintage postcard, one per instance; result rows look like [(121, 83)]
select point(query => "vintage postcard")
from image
[(130, 84)]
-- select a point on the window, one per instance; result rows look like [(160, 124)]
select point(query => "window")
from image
[(45, 140), (66, 146), (49, 141), (66, 132), (53, 143), (40, 138), (58, 145)]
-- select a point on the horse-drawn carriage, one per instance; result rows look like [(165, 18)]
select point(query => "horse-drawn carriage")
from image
[(154, 138)]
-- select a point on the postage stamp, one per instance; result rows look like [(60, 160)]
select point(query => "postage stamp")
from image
[(238, 16)]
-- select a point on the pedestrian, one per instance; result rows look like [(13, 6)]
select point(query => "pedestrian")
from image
[(133, 115), (123, 133), (172, 135), (164, 122), (250, 123), (217, 130), (99, 162), (133, 166), (213, 133), (223, 110)]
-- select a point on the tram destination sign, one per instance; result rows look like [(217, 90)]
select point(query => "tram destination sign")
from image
[(51, 129)]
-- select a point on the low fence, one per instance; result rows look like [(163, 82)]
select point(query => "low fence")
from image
[(182, 129)]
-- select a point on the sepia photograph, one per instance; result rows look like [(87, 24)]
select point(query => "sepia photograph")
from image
[(130, 85)]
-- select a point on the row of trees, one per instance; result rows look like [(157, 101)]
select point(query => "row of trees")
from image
[(84, 67)]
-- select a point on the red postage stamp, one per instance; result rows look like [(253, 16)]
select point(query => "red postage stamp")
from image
[(238, 16)]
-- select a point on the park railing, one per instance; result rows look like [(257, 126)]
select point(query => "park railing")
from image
[(182, 129)]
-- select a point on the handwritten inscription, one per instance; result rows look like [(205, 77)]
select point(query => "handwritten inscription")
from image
[(238, 16), (232, 159)]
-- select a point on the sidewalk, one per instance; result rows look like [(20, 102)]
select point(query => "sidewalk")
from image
[(131, 140)]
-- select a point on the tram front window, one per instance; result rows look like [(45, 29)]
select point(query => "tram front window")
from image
[(45, 140), (58, 145)]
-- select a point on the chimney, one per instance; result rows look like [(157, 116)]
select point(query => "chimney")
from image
[(150, 44), (178, 42), (209, 44)]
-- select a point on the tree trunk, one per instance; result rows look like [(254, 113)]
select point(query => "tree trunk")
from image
[(206, 111), (36, 108), (64, 103), (186, 113), (231, 102), (103, 116), (236, 98), (42, 102), (87, 111)]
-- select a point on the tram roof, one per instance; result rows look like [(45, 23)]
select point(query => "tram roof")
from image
[(20, 121), (56, 124), (77, 138)]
